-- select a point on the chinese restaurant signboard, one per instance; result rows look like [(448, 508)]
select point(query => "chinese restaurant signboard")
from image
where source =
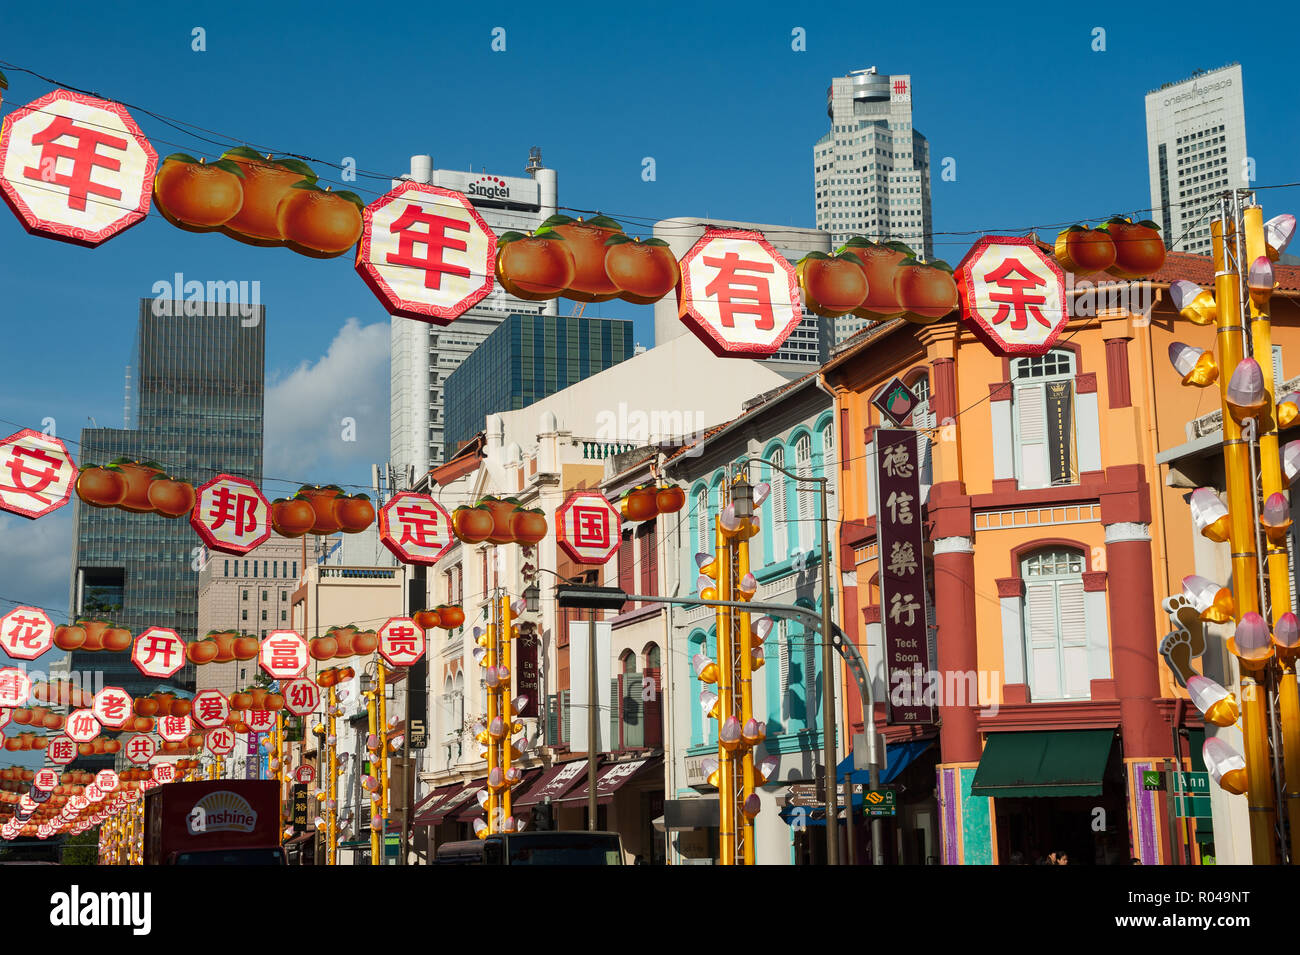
[(902, 577)]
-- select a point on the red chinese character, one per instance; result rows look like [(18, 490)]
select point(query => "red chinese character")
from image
[(419, 526), (44, 476), (401, 641), (590, 526), (112, 706), (174, 725), (61, 749), (84, 723), (301, 695), (733, 289), (211, 708), (242, 509), (141, 745), (1017, 296), (435, 240), (26, 632), (85, 158), (284, 655), (155, 645)]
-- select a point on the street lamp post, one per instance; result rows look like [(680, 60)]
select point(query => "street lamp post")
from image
[(828, 681)]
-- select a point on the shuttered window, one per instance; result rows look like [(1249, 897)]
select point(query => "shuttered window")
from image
[(649, 557), (783, 644), (625, 569), (803, 467), (701, 521), (1043, 416), (780, 522), (1056, 633)]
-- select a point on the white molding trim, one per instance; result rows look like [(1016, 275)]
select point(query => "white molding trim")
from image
[(953, 545), (1125, 531), (1094, 615)]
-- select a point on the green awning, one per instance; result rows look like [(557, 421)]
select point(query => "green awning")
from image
[(1049, 763)]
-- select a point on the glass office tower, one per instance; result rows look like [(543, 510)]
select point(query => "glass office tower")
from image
[(194, 406)]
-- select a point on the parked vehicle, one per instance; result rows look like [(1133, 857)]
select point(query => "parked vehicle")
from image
[(213, 822), (535, 848)]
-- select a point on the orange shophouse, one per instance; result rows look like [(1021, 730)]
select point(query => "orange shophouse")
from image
[(1054, 527)]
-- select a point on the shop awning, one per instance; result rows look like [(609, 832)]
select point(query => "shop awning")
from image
[(559, 779), (469, 808), (614, 777), (300, 838), (453, 803), (1048, 763), (898, 756), (425, 808)]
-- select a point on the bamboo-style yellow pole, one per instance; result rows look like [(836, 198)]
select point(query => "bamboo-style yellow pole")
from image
[(381, 686), (726, 692), (1272, 481), (1242, 529), (507, 715), (332, 784), (372, 720), (493, 655), (743, 637)]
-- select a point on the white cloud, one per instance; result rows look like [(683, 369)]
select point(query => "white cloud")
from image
[(306, 411)]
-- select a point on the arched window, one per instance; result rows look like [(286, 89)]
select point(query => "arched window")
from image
[(1043, 419), (652, 656), (627, 663), (699, 642), (459, 711), (828, 447), (923, 419), (1056, 635)]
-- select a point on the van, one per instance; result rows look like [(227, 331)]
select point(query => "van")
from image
[(535, 848)]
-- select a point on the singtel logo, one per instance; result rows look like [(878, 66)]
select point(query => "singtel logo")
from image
[(489, 191)]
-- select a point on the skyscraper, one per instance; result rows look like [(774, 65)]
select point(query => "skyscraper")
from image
[(871, 170), (1196, 149), (198, 371), (423, 355), (527, 358)]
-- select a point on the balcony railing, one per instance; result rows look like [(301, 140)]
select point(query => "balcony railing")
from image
[(359, 573), (600, 450)]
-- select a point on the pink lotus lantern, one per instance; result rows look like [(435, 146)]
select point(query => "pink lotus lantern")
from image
[(1225, 764), (1246, 395), (1251, 643), (1216, 704), (1209, 514), (1196, 365)]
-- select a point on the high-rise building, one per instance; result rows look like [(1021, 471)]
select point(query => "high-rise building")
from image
[(871, 170), (809, 344), (1196, 149), (252, 594), (423, 355), (527, 358), (197, 377)]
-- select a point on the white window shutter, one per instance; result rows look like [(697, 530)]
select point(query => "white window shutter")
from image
[(780, 520), (1031, 426), (783, 638), (1074, 639), (701, 521), (803, 467), (810, 678), (1042, 646)]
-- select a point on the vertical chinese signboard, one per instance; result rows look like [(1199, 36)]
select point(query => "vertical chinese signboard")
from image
[(526, 675), (252, 765), (1060, 449), (902, 577)]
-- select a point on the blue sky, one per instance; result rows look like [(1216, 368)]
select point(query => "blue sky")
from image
[(1044, 130)]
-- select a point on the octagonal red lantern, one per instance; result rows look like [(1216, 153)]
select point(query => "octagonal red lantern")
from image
[(415, 528), (588, 527), (1012, 295), (738, 294), (75, 167), (231, 514), (426, 253), (36, 473)]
